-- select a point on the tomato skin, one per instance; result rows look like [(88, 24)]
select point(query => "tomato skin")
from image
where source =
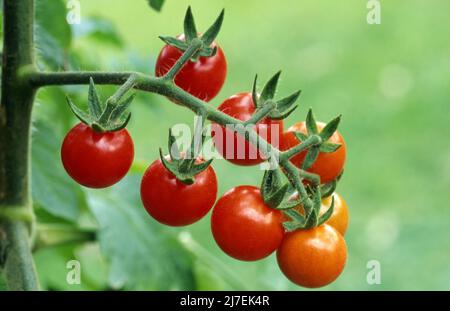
[(174, 203), (340, 217), (241, 107), (203, 79), (314, 257), (97, 160), (244, 227), (328, 165)]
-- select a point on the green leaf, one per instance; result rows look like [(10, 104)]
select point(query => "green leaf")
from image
[(99, 29), (143, 254), (53, 190), (210, 35), (270, 88), (311, 124), (190, 31), (330, 128), (156, 4), (53, 33)]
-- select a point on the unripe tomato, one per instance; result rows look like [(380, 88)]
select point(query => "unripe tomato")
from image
[(328, 165), (244, 227), (340, 217), (94, 159), (314, 257), (233, 146), (203, 78), (174, 203)]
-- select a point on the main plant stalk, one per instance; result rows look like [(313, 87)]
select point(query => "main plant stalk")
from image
[(16, 105)]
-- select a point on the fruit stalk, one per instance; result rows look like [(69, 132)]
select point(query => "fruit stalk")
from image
[(16, 104)]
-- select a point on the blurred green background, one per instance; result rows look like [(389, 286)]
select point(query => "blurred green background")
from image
[(390, 82)]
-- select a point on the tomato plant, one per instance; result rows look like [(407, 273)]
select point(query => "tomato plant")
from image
[(94, 159), (174, 203), (203, 78), (313, 257), (244, 227), (233, 146), (328, 165)]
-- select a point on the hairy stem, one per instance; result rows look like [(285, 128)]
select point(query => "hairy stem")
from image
[(15, 120)]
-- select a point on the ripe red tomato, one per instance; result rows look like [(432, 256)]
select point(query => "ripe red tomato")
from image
[(233, 146), (244, 227), (203, 78), (313, 257), (174, 203), (328, 165), (340, 216), (94, 159)]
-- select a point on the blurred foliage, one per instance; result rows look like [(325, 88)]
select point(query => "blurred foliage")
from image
[(389, 81)]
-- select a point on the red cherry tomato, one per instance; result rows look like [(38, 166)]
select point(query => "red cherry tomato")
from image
[(96, 160), (328, 165), (244, 227), (174, 203), (313, 257), (203, 78), (232, 146)]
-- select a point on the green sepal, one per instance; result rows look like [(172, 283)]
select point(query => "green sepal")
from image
[(289, 204), (270, 88), (329, 147), (276, 115), (190, 31), (327, 189), (300, 136), (330, 128), (298, 220), (119, 124), (311, 124), (172, 167), (312, 220), (328, 213), (179, 44), (80, 114), (174, 152), (208, 51), (210, 35), (198, 168), (122, 107), (95, 108), (255, 92), (311, 157)]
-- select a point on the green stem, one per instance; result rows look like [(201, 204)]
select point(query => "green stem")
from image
[(193, 48), (261, 113), (310, 141), (15, 123)]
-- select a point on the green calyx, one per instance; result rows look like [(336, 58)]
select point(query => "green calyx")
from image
[(325, 134), (111, 116), (282, 108), (281, 195), (185, 165), (191, 35)]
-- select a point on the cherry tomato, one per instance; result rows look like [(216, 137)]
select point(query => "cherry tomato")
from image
[(233, 146), (203, 78), (340, 216), (313, 257), (174, 203), (328, 165), (94, 159), (244, 227)]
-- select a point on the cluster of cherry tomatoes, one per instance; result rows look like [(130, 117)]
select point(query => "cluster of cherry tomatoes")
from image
[(243, 226)]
